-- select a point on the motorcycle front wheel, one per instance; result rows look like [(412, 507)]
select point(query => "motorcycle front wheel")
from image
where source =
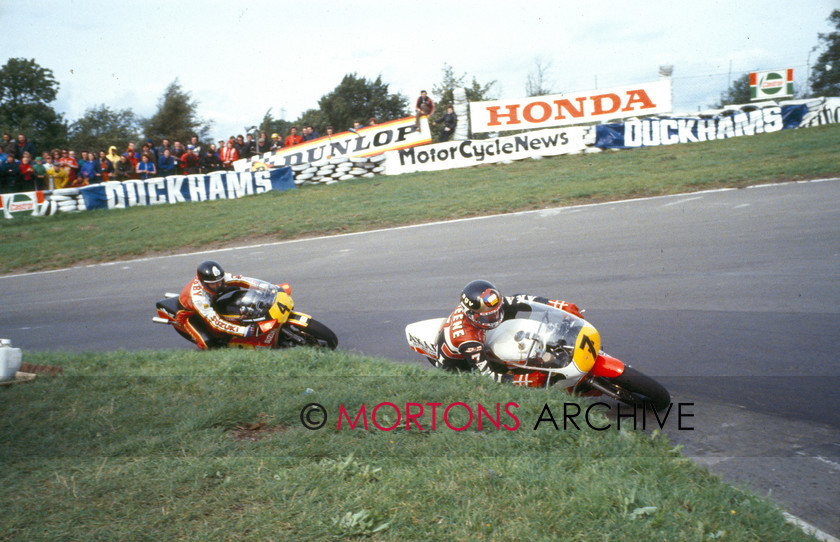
[(634, 388), (314, 334)]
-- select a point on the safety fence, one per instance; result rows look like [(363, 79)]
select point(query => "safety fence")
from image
[(404, 146)]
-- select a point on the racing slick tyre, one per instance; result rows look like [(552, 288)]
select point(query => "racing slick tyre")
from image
[(316, 334), (634, 388)]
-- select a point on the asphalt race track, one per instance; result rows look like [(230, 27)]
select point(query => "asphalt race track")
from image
[(731, 298)]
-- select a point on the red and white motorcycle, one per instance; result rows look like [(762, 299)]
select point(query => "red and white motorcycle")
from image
[(269, 307), (546, 346)]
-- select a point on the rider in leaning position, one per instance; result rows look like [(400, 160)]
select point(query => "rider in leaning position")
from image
[(460, 341), (197, 315)]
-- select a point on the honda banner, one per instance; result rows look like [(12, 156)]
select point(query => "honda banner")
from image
[(574, 108)]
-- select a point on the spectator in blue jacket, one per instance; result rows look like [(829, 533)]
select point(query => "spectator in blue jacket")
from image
[(10, 177), (87, 169), (166, 164)]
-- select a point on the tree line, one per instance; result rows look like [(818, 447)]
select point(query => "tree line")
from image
[(28, 90)]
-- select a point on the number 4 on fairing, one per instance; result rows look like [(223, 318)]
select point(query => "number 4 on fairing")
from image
[(269, 307)]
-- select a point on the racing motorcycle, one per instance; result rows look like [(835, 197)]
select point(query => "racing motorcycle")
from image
[(546, 346), (266, 305)]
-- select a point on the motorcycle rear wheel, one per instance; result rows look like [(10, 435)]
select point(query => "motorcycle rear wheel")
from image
[(315, 334), (635, 388)]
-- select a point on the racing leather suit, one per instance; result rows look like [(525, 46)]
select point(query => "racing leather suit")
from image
[(199, 319), (460, 343)]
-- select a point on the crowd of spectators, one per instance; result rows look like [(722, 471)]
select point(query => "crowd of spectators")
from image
[(23, 169)]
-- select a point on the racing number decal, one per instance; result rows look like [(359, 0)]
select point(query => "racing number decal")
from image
[(586, 351), (586, 342), (282, 307)]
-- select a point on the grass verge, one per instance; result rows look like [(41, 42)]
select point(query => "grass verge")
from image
[(174, 445), (33, 243)]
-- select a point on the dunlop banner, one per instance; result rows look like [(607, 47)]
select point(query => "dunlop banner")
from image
[(181, 188), (367, 141), (573, 108), (486, 151)]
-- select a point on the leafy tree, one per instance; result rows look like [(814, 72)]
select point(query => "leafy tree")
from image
[(476, 92), (177, 117), (538, 83), (825, 75), (357, 98), (315, 118), (738, 92), (443, 94), (100, 127), (26, 92), (270, 125)]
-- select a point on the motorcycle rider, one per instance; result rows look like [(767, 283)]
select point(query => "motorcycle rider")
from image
[(197, 316), (460, 341)]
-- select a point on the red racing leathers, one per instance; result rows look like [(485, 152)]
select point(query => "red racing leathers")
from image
[(460, 343), (200, 320)]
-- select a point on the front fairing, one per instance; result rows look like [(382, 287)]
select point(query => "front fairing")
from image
[(545, 338), (256, 304)]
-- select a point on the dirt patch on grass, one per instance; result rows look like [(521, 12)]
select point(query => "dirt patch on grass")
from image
[(256, 430)]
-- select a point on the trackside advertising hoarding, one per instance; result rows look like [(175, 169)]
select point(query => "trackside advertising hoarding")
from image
[(574, 108), (458, 154), (367, 141), (771, 85), (181, 188), (727, 124), (21, 202)]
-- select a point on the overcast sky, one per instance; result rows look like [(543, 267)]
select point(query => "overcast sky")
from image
[(240, 58)]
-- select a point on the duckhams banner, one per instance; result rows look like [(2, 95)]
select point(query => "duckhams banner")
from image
[(180, 188), (367, 141), (737, 121)]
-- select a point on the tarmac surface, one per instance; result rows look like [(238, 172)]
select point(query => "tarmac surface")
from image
[(731, 298)]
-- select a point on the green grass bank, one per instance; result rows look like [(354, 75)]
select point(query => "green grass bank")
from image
[(184, 445)]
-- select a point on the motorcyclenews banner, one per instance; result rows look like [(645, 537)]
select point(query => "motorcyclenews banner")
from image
[(573, 108), (460, 154), (732, 123), (181, 188), (367, 141)]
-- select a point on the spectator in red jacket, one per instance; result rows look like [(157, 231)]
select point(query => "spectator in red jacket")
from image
[(27, 172), (189, 161), (293, 138), (228, 155)]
